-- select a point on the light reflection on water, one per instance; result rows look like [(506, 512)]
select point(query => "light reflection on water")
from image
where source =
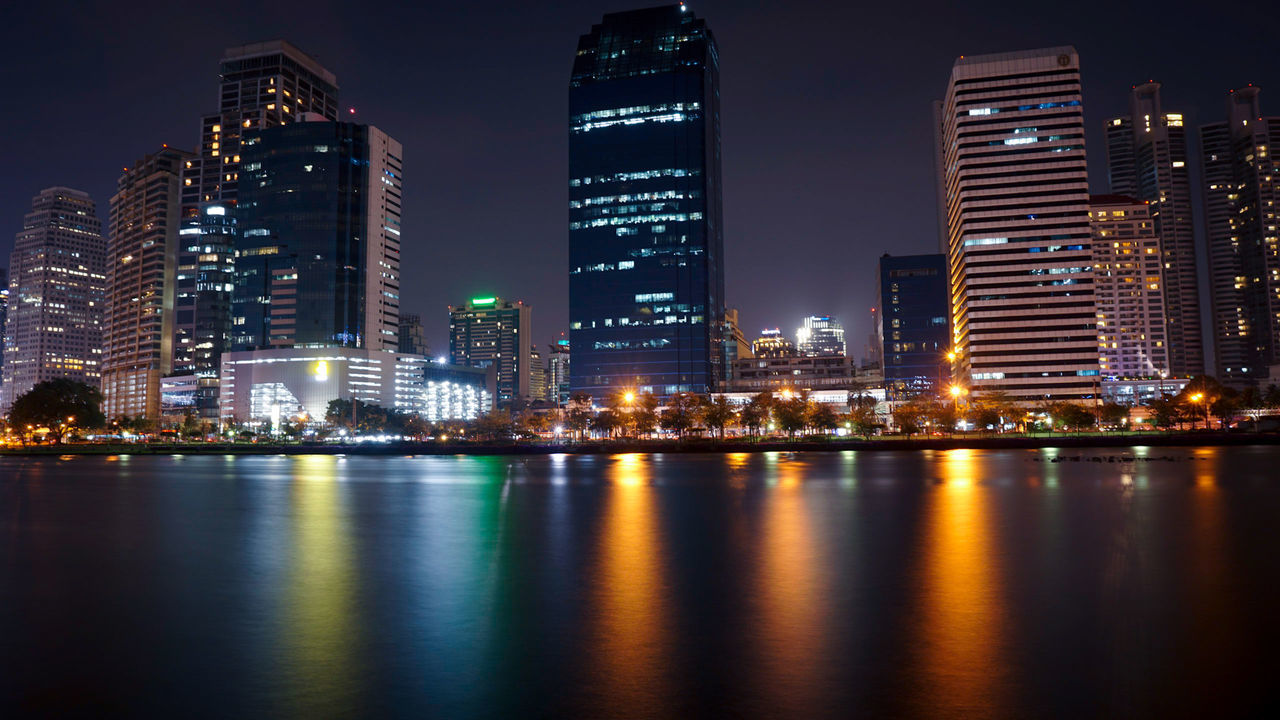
[(950, 583)]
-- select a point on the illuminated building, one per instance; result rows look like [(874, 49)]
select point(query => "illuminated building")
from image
[(820, 335), (537, 374), (142, 257), (1127, 286), (489, 331), (913, 333), (4, 313), (1147, 160), (318, 241), (558, 372), (1019, 259), (297, 384), (1242, 190), (262, 85), (773, 344), (646, 243), (823, 372), (57, 288), (452, 392)]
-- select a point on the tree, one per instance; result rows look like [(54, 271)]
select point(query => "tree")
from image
[(644, 417), (909, 417), (607, 421), (1165, 413), (682, 413), (755, 414), (1075, 417), (820, 416), (577, 417), (495, 425), (717, 414), (1113, 415), (60, 405), (942, 414), (1271, 398), (790, 415), (532, 424)]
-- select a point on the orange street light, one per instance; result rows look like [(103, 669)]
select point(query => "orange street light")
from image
[(629, 397), (956, 391), (951, 355)]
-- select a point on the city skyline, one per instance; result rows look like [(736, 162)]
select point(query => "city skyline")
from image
[(832, 209)]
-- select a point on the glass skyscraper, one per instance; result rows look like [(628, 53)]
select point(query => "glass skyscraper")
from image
[(646, 243), (914, 333)]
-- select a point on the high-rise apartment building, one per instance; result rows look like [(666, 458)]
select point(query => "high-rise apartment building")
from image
[(1128, 287), (558, 372), (1242, 191), (412, 338), (1147, 160), (317, 247), (142, 259), (646, 239), (1019, 258), (491, 332), (913, 332), (57, 281), (773, 344), (820, 335), (261, 86), (4, 314)]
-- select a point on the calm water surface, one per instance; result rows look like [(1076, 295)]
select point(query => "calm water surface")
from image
[(931, 584)]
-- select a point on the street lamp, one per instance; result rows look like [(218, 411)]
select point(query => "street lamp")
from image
[(1200, 398)]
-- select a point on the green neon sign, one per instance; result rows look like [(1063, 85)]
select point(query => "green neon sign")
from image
[(484, 300)]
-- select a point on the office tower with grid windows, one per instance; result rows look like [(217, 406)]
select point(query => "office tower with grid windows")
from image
[(646, 275), (57, 287), (1147, 160), (912, 333), (142, 259), (1019, 256), (820, 335), (491, 332), (1128, 270), (1241, 195), (262, 85)]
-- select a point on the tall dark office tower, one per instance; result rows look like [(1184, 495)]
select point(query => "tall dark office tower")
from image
[(646, 242), (1017, 198), (318, 242), (1147, 160), (142, 254), (4, 313), (262, 85), (492, 332), (913, 332), (412, 339), (57, 278), (1242, 191)]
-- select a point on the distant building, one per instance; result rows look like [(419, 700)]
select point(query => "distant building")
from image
[(820, 335), (646, 234), (537, 374), (4, 314), (1147, 160), (558, 390), (297, 384), (825, 372), (142, 254), (735, 345), (454, 392), (1242, 192), (412, 338), (57, 290), (914, 334), (1127, 285), (489, 331), (318, 241), (1131, 392), (1017, 199), (773, 344)]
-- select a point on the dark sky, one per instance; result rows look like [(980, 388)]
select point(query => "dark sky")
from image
[(827, 142)]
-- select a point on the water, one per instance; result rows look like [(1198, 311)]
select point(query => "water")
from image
[(931, 584)]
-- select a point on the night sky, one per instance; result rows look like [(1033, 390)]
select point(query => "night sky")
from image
[(826, 120)]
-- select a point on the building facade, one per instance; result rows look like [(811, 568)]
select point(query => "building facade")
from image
[(1128, 284), (646, 243), (1242, 189), (913, 334), (797, 372), (262, 85), (317, 251), (1147, 160), (57, 290), (489, 331), (142, 260), (820, 335), (773, 344), (412, 338), (558, 389), (1019, 259)]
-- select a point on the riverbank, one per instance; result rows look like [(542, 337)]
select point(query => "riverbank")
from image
[(694, 445)]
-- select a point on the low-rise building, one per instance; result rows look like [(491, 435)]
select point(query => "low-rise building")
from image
[(831, 372)]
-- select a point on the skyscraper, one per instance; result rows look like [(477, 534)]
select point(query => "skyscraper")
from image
[(1019, 258), (913, 333), (412, 338), (262, 85), (318, 242), (646, 275), (773, 344), (491, 332), (820, 335), (56, 291), (558, 372), (142, 255), (1242, 189), (1128, 284), (1147, 160)]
